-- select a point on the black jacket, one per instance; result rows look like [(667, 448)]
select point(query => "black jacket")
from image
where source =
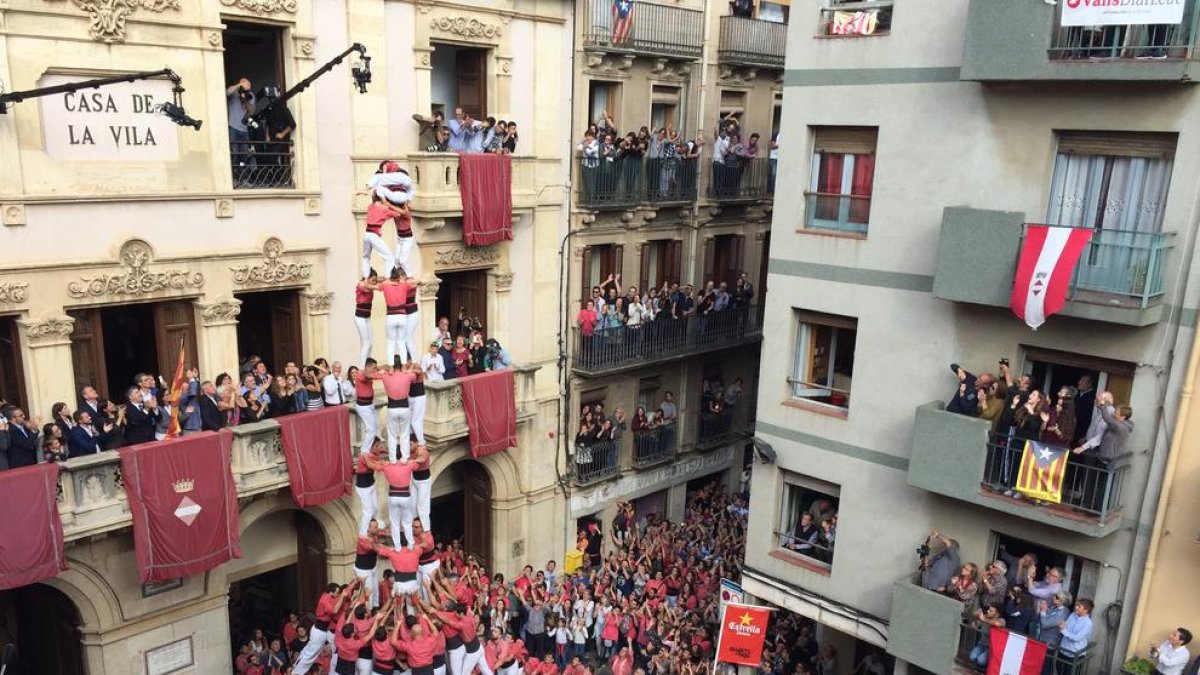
[(211, 417), (22, 446), (140, 424)]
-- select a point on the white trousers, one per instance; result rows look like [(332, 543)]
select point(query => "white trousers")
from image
[(369, 504), (363, 666), (472, 660), (366, 340), (396, 327), (426, 572), (370, 426), (422, 491), (316, 639), (400, 510), (374, 242), (417, 426), (371, 581), (404, 249), (397, 428), (410, 336), (440, 670)]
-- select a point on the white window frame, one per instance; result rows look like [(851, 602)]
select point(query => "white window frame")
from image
[(783, 522), (801, 381), (847, 186)]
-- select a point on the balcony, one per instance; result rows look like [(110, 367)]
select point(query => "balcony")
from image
[(613, 350), (856, 18), (1029, 44), (91, 497), (435, 175), (657, 30), (624, 183), (958, 456), (1119, 278), (654, 446), (752, 42), (595, 462), (747, 180), (259, 165)]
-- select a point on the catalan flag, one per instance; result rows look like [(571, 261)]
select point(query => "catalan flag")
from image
[(1042, 470), (177, 384)]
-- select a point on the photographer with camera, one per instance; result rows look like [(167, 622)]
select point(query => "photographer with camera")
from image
[(240, 101), (495, 356), (939, 561), (275, 160)]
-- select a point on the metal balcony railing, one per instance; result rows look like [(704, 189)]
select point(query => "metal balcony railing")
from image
[(1092, 490), (816, 550), (1121, 268), (651, 446), (260, 165), (1108, 43), (716, 428), (972, 640), (856, 18), (623, 182), (837, 212), (741, 179), (752, 42), (613, 349), (655, 30), (596, 461)]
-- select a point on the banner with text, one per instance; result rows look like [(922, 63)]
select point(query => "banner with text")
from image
[(116, 123), (743, 631), (1121, 12)]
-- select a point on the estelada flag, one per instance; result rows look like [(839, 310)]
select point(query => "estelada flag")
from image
[(177, 384), (1014, 654), (743, 631), (1042, 469), (1048, 257)]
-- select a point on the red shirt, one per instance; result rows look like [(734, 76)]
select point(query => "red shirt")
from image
[(348, 648), (364, 545), (383, 651), (325, 605), (420, 651), (404, 560), (289, 633), (397, 384), (385, 589), (364, 387), (398, 475), (377, 214), (403, 225), (587, 321), (254, 670), (394, 293)]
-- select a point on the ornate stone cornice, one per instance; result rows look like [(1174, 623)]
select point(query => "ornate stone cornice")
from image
[(263, 6), (466, 27), (737, 76), (219, 313), (13, 292), (609, 65), (55, 330), (319, 302), (272, 271), (466, 255), (138, 280), (503, 280), (428, 289), (108, 16)]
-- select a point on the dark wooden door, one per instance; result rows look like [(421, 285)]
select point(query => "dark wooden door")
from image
[(471, 69), (285, 328), (477, 512), (174, 324), (464, 290), (311, 570), (46, 631), (87, 353), (12, 375)]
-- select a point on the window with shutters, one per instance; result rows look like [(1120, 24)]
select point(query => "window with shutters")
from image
[(664, 106), (842, 179), (723, 258), (661, 262), (599, 263), (824, 359)]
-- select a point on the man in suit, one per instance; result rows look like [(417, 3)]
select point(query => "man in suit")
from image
[(89, 400), (212, 418), (4, 441), (141, 417), (189, 403), (22, 439), (85, 438)]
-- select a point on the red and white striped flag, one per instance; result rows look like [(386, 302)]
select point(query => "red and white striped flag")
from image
[(1048, 257), (1013, 654)]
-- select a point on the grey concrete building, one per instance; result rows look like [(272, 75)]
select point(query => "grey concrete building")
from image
[(920, 154)]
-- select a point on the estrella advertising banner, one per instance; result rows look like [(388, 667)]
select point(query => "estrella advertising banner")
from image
[(743, 631)]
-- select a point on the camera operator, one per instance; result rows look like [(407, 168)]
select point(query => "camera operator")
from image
[(277, 155), (240, 100), (496, 357), (939, 561)]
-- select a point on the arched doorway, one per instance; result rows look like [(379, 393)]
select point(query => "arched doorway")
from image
[(282, 569), (42, 626), (462, 508)]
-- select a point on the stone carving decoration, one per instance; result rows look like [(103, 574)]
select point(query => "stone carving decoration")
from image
[(264, 450), (14, 214), (263, 6), (455, 401), (428, 289), (737, 76), (318, 303), (13, 292), (611, 65), (504, 281), (220, 312), (467, 256), (272, 271), (108, 16), (137, 280), (49, 330), (465, 27)]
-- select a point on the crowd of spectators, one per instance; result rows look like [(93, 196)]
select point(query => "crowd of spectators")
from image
[(464, 134)]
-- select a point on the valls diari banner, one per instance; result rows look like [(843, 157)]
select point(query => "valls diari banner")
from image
[(1121, 12), (743, 631)]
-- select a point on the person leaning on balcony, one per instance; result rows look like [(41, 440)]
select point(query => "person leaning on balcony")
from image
[(667, 408), (1096, 426), (985, 619), (1171, 656), (994, 585), (429, 127), (1076, 630), (991, 404), (1051, 614), (964, 586), (1060, 420), (1047, 587), (966, 397)]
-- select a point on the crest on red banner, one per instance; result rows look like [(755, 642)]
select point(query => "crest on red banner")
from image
[(743, 632), (1048, 257)]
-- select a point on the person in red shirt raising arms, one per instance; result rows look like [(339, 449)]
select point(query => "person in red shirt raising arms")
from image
[(418, 640), (405, 561), (351, 641), (328, 607)]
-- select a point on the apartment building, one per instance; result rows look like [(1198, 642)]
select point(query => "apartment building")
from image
[(924, 139), (126, 235), (667, 218)]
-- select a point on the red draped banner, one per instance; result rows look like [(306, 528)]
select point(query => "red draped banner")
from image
[(485, 183), (489, 399), (184, 505), (31, 533), (317, 448)]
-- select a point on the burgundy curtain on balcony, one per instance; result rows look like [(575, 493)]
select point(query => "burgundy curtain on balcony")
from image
[(184, 505), (316, 446), (485, 182), (489, 400), (31, 533)]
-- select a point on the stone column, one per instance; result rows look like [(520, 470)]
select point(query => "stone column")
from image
[(499, 287), (314, 328), (216, 336), (46, 356), (502, 69), (427, 292)]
